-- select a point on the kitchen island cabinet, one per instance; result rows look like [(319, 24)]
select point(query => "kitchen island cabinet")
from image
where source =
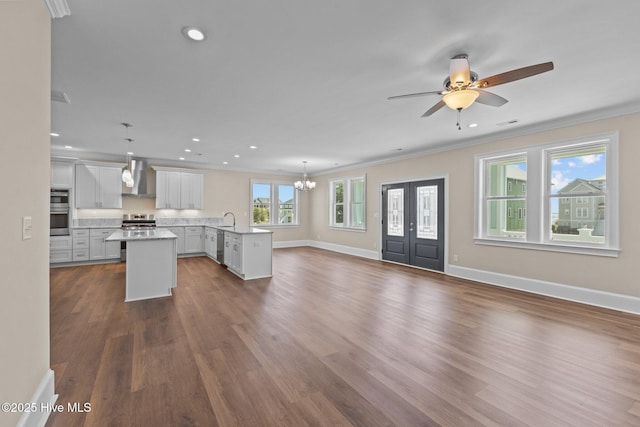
[(152, 265), (248, 252)]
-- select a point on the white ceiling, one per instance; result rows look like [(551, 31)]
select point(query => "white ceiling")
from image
[(309, 80)]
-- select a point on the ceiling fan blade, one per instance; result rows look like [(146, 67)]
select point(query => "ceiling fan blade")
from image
[(489, 98), (411, 95), (513, 75), (433, 109)]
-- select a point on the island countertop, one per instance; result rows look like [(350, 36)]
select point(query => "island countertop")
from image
[(241, 230), (132, 235)]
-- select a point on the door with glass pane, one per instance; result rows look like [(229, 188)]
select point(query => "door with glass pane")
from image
[(413, 223)]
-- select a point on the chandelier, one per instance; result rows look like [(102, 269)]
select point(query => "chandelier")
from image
[(305, 184)]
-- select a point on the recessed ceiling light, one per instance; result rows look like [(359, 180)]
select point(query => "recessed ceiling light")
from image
[(187, 150), (181, 158), (473, 125), (129, 153), (225, 163), (68, 146), (192, 33), (195, 139), (54, 134), (253, 147), (236, 155)]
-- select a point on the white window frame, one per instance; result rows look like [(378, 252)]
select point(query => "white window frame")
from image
[(538, 197), (347, 203), (274, 203)]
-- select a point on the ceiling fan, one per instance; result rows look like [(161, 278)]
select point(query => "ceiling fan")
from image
[(462, 87)]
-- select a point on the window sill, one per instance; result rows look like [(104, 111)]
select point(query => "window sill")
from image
[(275, 225), (357, 230), (552, 247)]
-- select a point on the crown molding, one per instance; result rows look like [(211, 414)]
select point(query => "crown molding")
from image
[(58, 8)]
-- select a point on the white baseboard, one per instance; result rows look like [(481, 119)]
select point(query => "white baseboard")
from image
[(620, 302), (44, 398), (291, 244)]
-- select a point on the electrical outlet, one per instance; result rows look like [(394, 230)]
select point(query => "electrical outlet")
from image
[(455, 257)]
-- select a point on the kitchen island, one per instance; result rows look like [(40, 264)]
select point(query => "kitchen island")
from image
[(151, 262), (247, 251)]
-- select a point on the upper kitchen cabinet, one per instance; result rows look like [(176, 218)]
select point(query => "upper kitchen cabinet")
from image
[(167, 190), (98, 186), (178, 188), (191, 190), (61, 174)]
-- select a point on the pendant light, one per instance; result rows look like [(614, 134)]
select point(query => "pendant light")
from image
[(306, 184), (127, 176)]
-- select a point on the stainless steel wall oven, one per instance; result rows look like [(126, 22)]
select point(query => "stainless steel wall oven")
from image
[(59, 218)]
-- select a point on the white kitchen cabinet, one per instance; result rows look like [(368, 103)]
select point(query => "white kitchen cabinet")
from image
[(98, 187), (60, 249), (81, 244), (178, 188), (193, 240), (167, 190), (248, 255), (211, 242), (191, 190), (233, 251), (99, 248), (61, 174), (179, 232)]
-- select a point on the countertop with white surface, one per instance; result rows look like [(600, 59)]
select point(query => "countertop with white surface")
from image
[(242, 230), (131, 235)]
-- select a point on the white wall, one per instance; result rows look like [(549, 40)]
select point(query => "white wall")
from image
[(24, 171)]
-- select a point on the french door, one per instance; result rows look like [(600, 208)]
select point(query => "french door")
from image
[(413, 223)]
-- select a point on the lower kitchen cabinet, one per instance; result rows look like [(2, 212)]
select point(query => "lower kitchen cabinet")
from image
[(194, 240), (178, 231), (80, 244), (60, 249), (248, 255), (211, 242), (98, 248)]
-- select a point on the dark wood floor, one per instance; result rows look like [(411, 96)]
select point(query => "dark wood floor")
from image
[(335, 340)]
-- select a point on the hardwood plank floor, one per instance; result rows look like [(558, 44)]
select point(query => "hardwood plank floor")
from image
[(334, 340)]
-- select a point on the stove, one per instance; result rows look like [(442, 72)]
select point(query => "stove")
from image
[(131, 222), (138, 221)]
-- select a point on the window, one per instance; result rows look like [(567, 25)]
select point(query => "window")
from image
[(273, 203), (348, 203), (570, 190), (499, 204)]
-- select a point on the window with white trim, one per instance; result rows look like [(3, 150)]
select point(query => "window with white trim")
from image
[(347, 201), (273, 203), (568, 200)]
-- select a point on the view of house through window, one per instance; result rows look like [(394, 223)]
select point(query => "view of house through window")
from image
[(506, 193), (274, 203), (577, 196), (559, 196)]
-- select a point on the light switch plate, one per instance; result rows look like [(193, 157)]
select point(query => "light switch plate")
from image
[(26, 227)]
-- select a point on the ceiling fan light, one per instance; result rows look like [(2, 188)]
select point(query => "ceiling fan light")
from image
[(459, 73), (460, 99)]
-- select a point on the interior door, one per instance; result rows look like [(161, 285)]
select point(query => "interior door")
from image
[(413, 223)]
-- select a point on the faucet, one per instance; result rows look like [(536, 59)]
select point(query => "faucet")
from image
[(234, 218)]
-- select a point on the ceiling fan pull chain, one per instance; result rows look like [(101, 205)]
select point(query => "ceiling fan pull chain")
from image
[(458, 124)]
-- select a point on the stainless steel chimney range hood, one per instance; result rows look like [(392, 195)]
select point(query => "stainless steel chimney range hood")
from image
[(139, 171)]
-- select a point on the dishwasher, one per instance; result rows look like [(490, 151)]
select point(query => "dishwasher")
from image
[(220, 246)]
